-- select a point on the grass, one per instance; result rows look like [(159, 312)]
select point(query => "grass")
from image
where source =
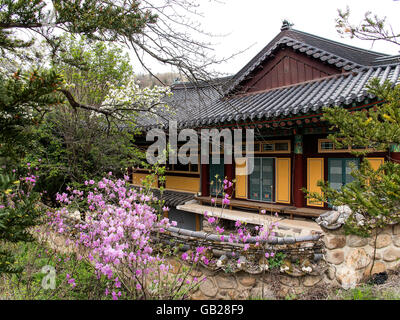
[(368, 292), (27, 285)]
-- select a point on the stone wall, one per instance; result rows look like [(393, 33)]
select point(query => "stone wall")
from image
[(348, 261), (241, 285), (354, 259), (275, 284)]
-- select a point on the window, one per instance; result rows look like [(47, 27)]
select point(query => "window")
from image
[(339, 171), (281, 146), (220, 150), (261, 180), (216, 169), (190, 168), (267, 147), (181, 167), (325, 145), (256, 147), (278, 146)]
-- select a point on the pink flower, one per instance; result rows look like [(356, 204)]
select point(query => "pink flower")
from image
[(219, 230), (211, 220)]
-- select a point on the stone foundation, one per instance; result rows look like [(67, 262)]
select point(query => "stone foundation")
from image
[(354, 259), (349, 261), (270, 285)]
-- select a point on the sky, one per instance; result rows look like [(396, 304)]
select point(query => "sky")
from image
[(253, 23)]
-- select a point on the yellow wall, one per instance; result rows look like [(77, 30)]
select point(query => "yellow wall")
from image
[(283, 176), (190, 184), (138, 177), (241, 178), (315, 172), (375, 162)]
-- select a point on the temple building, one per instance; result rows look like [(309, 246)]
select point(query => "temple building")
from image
[(280, 94)]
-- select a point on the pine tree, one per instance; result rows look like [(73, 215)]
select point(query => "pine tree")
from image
[(373, 196)]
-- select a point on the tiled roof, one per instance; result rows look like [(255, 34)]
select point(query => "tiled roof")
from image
[(298, 99), (194, 110), (187, 102), (205, 105), (173, 198), (331, 52)]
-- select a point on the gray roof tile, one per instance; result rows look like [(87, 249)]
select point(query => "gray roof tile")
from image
[(207, 104)]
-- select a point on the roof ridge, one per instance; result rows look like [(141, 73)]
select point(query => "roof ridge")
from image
[(342, 44), (201, 83), (337, 75), (387, 58), (353, 72), (301, 38)]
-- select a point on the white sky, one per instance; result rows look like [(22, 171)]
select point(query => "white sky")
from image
[(256, 22)]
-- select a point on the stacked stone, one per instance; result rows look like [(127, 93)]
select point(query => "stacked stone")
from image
[(351, 257), (221, 285)]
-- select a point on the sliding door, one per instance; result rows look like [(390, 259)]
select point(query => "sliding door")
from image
[(262, 180)]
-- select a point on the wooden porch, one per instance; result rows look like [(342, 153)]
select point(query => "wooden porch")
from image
[(268, 207)]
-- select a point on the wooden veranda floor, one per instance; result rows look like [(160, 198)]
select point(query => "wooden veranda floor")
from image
[(268, 207)]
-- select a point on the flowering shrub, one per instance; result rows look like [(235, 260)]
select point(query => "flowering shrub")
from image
[(117, 236), (242, 233)]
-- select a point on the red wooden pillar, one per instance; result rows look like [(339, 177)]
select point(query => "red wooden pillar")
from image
[(228, 168), (395, 153), (205, 180), (395, 157), (298, 195)]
